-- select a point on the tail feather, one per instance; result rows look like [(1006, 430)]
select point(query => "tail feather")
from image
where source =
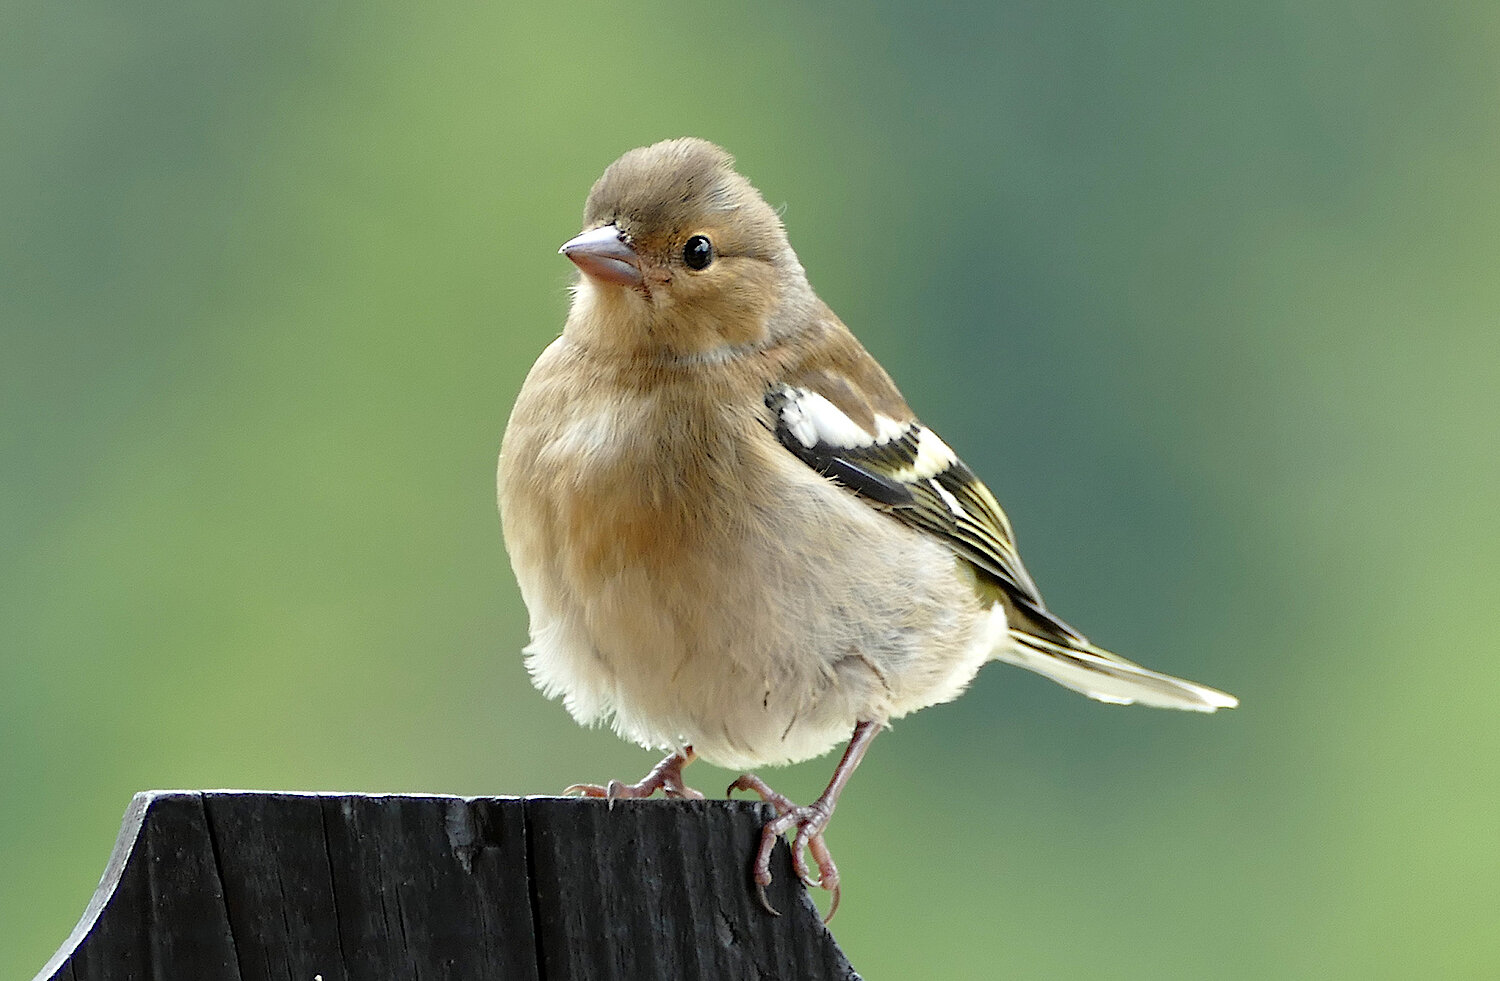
[(1107, 677)]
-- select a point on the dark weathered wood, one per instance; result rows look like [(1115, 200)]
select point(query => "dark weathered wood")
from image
[(604, 879), (349, 887)]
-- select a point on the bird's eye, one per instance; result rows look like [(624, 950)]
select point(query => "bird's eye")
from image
[(698, 252)]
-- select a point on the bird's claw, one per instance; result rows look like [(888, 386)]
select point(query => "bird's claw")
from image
[(666, 776), (749, 781), (765, 903), (809, 822), (615, 790)]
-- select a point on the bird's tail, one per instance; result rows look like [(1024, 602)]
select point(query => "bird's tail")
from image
[(1075, 663)]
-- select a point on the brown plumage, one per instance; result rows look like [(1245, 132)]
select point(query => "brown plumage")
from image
[(734, 538)]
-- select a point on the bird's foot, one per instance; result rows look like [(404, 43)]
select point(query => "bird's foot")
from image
[(809, 822), (666, 776)]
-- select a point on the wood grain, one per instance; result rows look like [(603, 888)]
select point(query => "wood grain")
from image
[(251, 886)]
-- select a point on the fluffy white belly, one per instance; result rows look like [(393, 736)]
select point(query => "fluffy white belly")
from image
[(751, 646), (690, 582)]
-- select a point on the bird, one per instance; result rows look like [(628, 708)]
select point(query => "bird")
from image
[(734, 538)]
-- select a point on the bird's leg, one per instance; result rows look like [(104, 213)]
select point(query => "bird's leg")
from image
[(665, 776), (809, 822)]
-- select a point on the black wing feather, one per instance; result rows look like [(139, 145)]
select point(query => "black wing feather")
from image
[(950, 503)]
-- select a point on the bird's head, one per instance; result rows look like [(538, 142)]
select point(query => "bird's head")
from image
[(681, 256)]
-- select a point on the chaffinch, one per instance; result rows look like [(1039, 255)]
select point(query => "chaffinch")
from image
[(733, 537)]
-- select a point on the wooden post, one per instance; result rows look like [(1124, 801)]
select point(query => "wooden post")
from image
[(208, 885)]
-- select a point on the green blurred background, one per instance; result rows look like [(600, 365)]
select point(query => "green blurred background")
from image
[(1206, 291)]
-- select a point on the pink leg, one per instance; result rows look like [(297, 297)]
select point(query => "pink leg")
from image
[(666, 776), (810, 821)]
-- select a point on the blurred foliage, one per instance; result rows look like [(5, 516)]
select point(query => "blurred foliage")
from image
[(1207, 292)]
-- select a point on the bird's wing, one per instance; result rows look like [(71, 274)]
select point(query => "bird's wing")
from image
[(905, 469), (837, 411)]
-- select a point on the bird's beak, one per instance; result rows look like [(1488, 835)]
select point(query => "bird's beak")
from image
[(603, 254)]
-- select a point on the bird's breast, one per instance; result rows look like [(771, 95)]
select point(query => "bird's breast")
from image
[(633, 487), (691, 579)]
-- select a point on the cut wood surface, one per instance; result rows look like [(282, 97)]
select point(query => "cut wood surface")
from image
[(207, 885)]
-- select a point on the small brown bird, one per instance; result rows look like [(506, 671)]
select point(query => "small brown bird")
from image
[(733, 537)]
